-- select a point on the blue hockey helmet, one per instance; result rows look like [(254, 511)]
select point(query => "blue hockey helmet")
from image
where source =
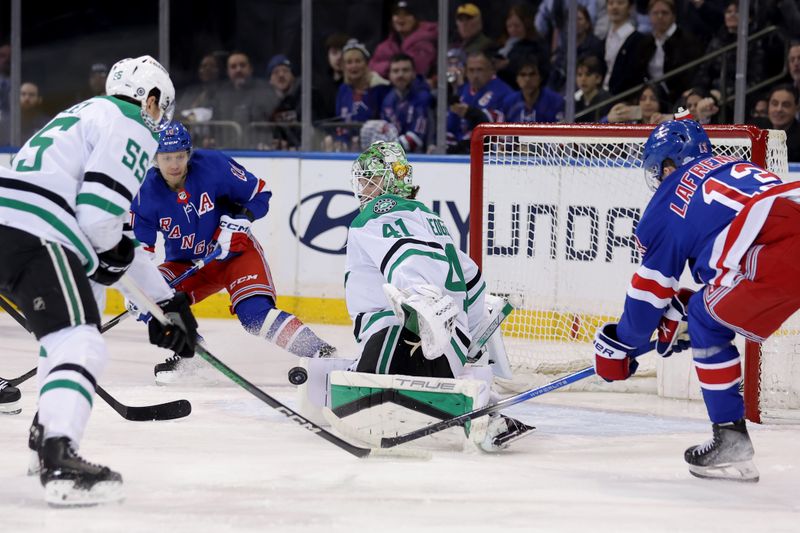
[(681, 141), (175, 138)]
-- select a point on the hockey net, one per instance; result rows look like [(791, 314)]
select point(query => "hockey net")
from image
[(552, 215)]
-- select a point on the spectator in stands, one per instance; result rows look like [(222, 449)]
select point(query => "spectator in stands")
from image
[(709, 74), (326, 85), (551, 18), (667, 48), (408, 104), (32, 117), (624, 66), (480, 100), (5, 79), (360, 96), (469, 26), (286, 87), (195, 102), (96, 83), (651, 108), (793, 63), (408, 35), (760, 109), (518, 43), (534, 102), (589, 79), (588, 44), (701, 104), (242, 100), (781, 115)]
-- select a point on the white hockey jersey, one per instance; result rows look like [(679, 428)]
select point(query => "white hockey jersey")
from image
[(73, 181), (402, 242)]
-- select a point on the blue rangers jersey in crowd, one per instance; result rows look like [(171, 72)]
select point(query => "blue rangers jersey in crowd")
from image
[(409, 115), (215, 185), (549, 107), (686, 220), (488, 99)]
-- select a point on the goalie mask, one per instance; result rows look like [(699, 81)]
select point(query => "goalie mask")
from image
[(138, 78), (382, 169), (681, 141)]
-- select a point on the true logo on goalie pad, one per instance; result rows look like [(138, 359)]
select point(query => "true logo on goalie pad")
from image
[(383, 205)]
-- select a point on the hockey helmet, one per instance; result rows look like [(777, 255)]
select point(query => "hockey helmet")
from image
[(380, 169), (138, 78), (175, 138), (682, 141)]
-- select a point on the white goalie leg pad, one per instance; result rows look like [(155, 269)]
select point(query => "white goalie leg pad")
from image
[(426, 312), (372, 406), (494, 349), (314, 394)]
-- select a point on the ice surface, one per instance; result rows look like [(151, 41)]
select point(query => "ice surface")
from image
[(597, 462)]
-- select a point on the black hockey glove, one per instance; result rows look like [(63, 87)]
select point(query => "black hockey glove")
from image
[(114, 262), (181, 337)]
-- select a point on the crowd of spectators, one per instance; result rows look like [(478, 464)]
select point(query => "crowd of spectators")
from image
[(627, 52)]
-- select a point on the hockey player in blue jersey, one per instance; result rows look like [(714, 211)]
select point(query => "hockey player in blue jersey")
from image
[(408, 104), (738, 228), (199, 199)]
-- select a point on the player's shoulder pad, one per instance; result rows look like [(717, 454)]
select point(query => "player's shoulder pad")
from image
[(384, 205)]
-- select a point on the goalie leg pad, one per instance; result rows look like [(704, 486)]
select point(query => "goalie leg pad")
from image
[(370, 406), (314, 394)]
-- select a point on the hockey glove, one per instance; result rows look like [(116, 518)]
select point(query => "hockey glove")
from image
[(611, 360), (232, 235), (673, 334), (114, 262), (181, 336), (426, 312)]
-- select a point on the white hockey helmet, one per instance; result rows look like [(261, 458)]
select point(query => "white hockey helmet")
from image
[(136, 78)]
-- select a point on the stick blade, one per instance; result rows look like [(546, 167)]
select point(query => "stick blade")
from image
[(163, 411)]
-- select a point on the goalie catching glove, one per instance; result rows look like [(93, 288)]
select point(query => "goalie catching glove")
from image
[(426, 312), (232, 235), (181, 335), (673, 331), (612, 361)]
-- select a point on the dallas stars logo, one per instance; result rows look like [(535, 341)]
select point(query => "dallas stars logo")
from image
[(383, 205)]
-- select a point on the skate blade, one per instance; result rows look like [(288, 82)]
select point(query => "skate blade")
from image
[(504, 441), (62, 493), (744, 471), (11, 408), (34, 468)]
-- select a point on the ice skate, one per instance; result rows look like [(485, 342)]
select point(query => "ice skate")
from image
[(70, 481), (9, 399), (326, 350), (35, 434), (178, 369), (727, 455), (502, 431)]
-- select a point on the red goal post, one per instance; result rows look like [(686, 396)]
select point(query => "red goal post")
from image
[(528, 178)]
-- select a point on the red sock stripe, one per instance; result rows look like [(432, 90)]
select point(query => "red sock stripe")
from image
[(716, 375), (288, 330), (652, 286)]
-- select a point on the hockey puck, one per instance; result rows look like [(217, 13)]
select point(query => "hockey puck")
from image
[(298, 375)]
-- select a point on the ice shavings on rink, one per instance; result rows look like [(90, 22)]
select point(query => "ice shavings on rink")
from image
[(597, 462)]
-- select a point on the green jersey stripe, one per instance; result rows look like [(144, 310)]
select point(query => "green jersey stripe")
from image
[(56, 223), (67, 284), (100, 203), (459, 353), (372, 319), (388, 350), (67, 384), (471, 300), (411, 253)]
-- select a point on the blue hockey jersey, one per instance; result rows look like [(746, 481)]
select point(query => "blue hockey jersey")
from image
[(686, 221), (548, 107), (215, 185), (488, 99), (409, 115)]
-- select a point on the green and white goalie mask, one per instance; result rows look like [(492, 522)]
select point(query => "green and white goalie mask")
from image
[(381, 169)]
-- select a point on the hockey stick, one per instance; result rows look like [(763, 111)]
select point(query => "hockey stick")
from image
[(162, 411), (490, 329), (198, 264), (389, 442), (231, 374)]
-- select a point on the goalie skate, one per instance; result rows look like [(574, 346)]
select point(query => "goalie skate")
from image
[(502, 431), (9, 399), (727, 455), (71, 481)]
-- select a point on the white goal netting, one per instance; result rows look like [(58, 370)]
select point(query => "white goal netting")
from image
[(557, 208)]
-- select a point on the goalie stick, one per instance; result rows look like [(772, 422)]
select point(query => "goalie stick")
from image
[(162, 411), (389, 442), (231, 374), (198, 264)]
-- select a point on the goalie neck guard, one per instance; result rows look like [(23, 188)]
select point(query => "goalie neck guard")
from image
[(380, 169)]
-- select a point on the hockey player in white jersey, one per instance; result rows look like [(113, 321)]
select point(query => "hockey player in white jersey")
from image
[(417, 301), (63, 205)]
